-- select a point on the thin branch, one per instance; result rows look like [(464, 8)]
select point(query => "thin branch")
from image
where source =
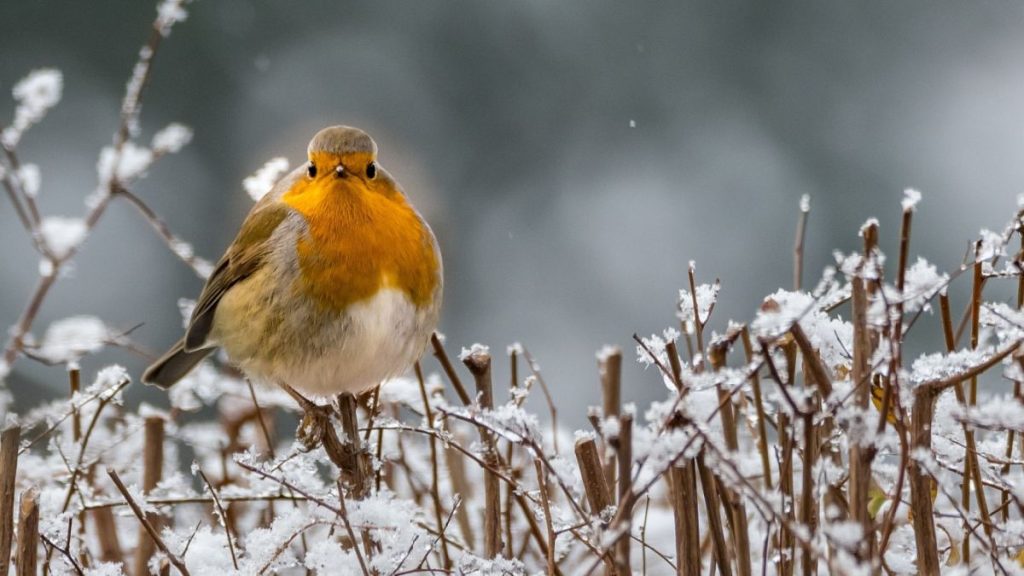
[(223, 517), (177, 562)]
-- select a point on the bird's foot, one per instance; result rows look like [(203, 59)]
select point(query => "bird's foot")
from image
[(316, 420), (315, 426)]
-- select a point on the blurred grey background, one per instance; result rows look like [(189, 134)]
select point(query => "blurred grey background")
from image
[(571, 156)]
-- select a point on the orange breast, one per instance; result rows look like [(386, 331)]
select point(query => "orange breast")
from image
[(359, 242)]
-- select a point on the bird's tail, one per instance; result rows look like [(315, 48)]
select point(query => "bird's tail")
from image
[(174, 365)]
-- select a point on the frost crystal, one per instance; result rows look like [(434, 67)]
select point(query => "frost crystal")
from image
[(61, 235), (105, 569), (28, 175), (129, 164), (263, 180), (35, 94), (992, 246), (172, 138), (67, 340), (474, 350), (831, 336), (1000, 413), (656, 352), (169, 13), (707, 294), (1007, 322), (910, 199), (935, 367), (922, 282), (109, 383), (606, 352)]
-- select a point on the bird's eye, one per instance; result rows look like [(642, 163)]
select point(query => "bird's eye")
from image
[(311, 170), (339, 171), (371, 170)]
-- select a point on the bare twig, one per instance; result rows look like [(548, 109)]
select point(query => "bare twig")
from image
[(152, 471), (479, 364), (798, 244), (351, 533), (28, 533), (223, 517), (543, 484), (686, 514), (434, 480), (146, 524), (449, 370), (8, 472)]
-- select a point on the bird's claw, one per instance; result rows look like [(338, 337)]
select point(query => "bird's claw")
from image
[(316, 420)]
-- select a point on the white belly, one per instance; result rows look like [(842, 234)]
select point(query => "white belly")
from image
[(377, 339)]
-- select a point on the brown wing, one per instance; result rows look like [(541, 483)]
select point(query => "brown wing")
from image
[(245, 255)]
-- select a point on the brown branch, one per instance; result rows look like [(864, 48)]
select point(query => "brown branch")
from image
[(355, 461), (174, 559), (762, 432), (351, 532), (543, 485), (434, 479), (598, 494), (552, 409), (28, 533), (152, 471), (686, 513), (712, 504), (479, 364), (442, 356), (798, 245), (624, 453), (198, 265), (942, 384), (8, 473), (223, 516), (609, 368)]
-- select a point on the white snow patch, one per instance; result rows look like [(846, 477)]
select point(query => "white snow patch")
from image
[(35, 94), (30, 178), (171, 138), (67, 340), (922, 282), (991, 246), (606, 352), (474, 350), (707, 294), (262, 181), (132, 162), (61, 234), (911, 198), (169, 13)]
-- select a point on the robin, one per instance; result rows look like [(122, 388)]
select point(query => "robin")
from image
[(332, 285)]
